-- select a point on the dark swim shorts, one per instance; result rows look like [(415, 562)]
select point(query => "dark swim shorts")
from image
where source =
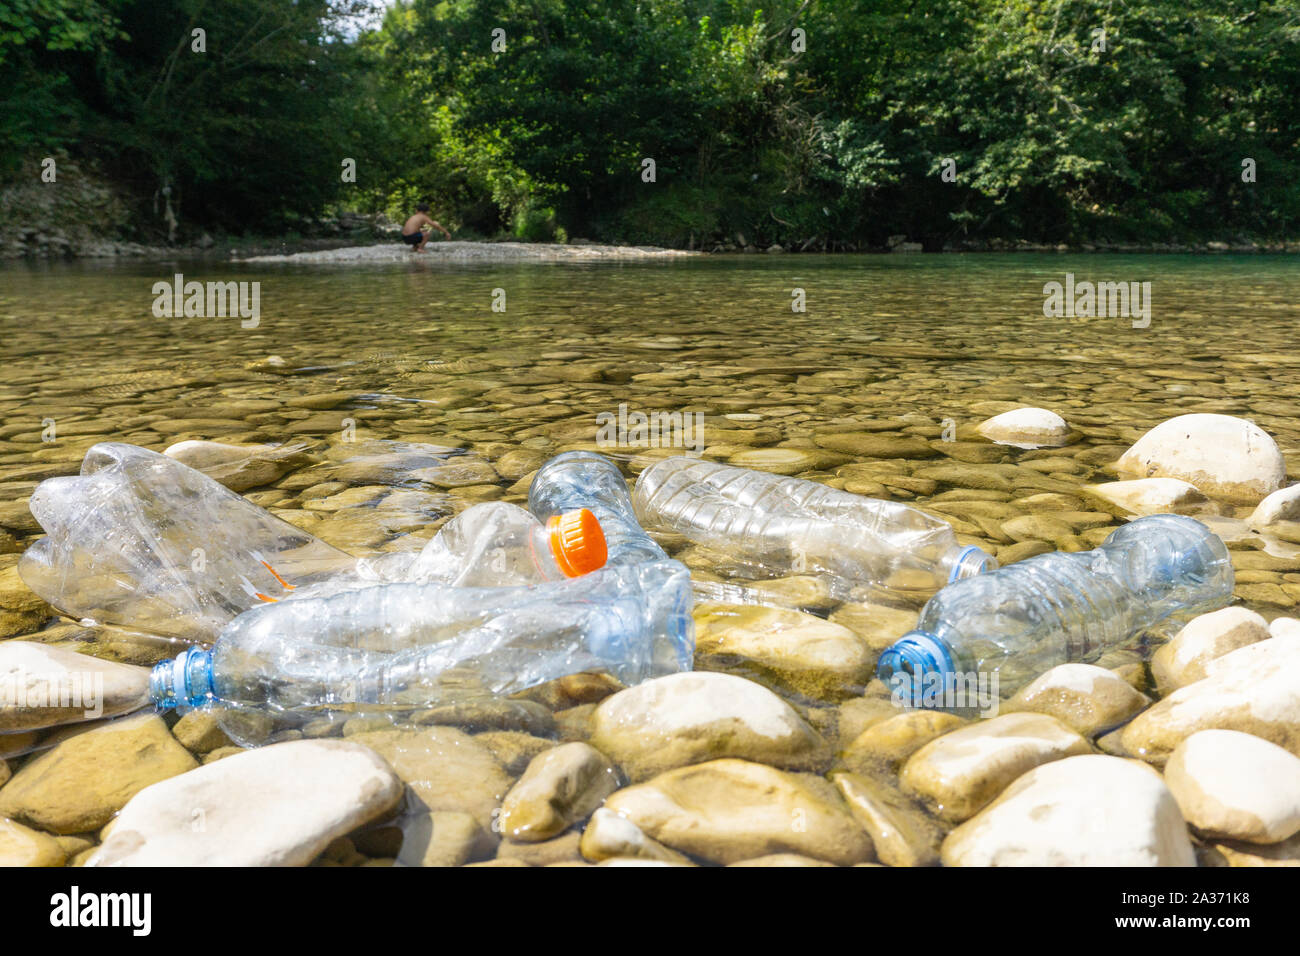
[(413, 239)]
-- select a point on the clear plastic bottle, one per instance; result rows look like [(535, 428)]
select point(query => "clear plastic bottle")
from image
[(494, 544), (140, 540), (786, 525), (1057, 608), (404, 646), (580, 479)]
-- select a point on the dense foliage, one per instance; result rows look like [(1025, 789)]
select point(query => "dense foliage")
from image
[(792, 121)]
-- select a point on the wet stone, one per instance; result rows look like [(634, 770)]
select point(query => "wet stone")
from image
[(82, 782), (561, 786), (691, 717), (726, 811)]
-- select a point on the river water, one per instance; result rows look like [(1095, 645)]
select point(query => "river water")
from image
[(534, 358)]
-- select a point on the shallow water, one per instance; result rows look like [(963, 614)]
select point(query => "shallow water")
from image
[(894, 357), (923, 346)]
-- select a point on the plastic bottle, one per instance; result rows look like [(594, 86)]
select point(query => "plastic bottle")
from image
[(494, 544), (402, 646), (141, 540), (580, 479), (1056, 608), (788, 525)]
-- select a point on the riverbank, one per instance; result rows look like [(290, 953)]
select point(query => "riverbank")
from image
[(456, 251), (45, 248)]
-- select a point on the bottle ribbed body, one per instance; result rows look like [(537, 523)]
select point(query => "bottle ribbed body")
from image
[(1057, 608), (410, 645), (781, 525)]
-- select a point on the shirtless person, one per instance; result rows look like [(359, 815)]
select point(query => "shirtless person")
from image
[(411, 232)]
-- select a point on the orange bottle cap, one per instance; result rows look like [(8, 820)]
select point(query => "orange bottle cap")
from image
[(577, 542)]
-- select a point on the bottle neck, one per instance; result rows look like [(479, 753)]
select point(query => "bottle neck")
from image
[(185, 681), (913, 661), (967, 562)]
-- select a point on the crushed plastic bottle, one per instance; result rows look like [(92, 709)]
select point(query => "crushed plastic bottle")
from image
[(1056, 608), (778, 525), (580, 479), (405, 646), (493, 544), (140, 540)]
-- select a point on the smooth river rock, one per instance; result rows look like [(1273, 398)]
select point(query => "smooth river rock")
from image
[(1254, 689), (1281, 506), (610, 836), (1236, 786), (687, 718), (900, 832), (1090, 700), (887, 743), (45, 685), (80, 783), (1205, 638), (23, 846), (726, 811), (240, 467), (960, 772), (560, 787), (1026, 428), (275, 806), (1090, 810), (1148, 496), (1224, 457), (805, 653), (21, 610), (444, 838), (445, 768)]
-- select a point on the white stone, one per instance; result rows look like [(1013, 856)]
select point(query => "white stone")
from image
[(1026, 428), (1204, 638), (1090, 810), (1284, 627), (1234, 785), (1150, 496), (1254, 689), (963, 770), (1283, 505), (1086, 698), (610, 836), (45, 685), (275, 806), (688, 718), (1224, 457)]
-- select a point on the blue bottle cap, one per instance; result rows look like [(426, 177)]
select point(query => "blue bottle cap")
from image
[(185, 680), (916, 654)]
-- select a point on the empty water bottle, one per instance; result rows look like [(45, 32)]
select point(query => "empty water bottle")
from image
[(580, 479), (494, 544), (141, 540), (781, 525), (1057, 608), (406, 646)]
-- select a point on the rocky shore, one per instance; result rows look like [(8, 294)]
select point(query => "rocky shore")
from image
[(778, 750)]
